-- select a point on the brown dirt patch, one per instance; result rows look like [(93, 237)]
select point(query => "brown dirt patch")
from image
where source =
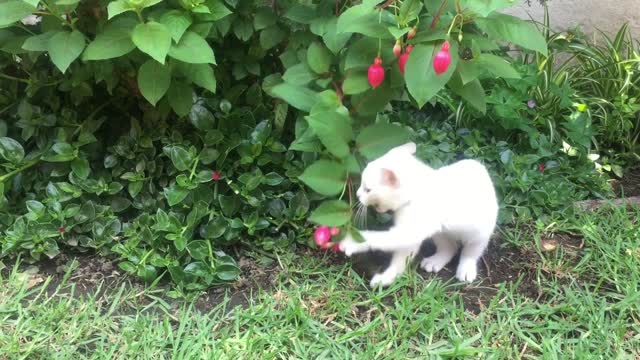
[(502, 264), (629, 185)]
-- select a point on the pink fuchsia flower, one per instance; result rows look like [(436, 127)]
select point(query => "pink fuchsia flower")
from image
[(322, 236), (531, 104), (375, 74), (442, 60), (215, 176), (541, 167)]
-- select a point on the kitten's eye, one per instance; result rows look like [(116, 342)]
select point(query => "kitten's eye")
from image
[(366, 190)]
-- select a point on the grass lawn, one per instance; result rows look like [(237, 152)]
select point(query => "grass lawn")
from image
[(563, 290)]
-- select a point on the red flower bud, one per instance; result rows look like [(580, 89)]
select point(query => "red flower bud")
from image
[(322, 236), (397, 49), (442, 60), (402, 61), (376, 73), (215, 176), (334, 231), (541, 167), (61, 229), (412, 33)]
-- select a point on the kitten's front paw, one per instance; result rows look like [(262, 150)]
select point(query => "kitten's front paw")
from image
[(434, 263), (384, 279), (350, 246), (467, 272)]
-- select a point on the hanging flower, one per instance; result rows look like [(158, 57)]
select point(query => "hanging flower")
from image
[(397, 48), (322, 236), (541, 167), (376, 73), (215, 176), (442, 60), (402, 61)]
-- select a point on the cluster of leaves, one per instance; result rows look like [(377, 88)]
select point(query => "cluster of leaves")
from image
[(162, 195), (142, 128), (533, 178), (326, 78)]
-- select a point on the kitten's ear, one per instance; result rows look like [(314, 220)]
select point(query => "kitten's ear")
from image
[(389, 178), (409, 147)]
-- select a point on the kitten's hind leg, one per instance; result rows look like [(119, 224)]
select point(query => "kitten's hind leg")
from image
[(471, 252), (446, 249), (396, 267)]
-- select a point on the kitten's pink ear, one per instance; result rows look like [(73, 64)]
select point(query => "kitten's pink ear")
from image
[(389, 178), (409, 147)]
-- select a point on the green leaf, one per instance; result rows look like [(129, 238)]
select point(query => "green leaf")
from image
[(242, 29), (180, 157), (134, 188), (468, 70), (471, 92), (36, 208), (193, 49), (214, 229), (362, 53), (331, 213), (227, 272), (299, 13), (515, 30), (355, 83), (365, 19), (113, 42), (497, 66), (175, 194), (410, 10), (300, 97), (12, 11), (11, 150), (332, 39), (65, 47), (39, 42), (198, 249), (217, 11), (177, 22), (299, 74), (325, 177), (271, 37), (80, 167), (485, 7), (375, 140), (200, 74), (319, 58), (118, 7), (422, 81), (264, 17), (153, 80), (333, 128), (180, 97), (152, 38)]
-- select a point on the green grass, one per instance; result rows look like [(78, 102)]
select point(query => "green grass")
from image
[(587, 305)]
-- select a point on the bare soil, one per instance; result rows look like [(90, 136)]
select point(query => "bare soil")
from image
[(502, 264)]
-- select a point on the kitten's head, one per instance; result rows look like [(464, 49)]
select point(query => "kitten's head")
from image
[(381, 185)]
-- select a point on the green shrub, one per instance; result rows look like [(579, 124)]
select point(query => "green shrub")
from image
[(165, 132)]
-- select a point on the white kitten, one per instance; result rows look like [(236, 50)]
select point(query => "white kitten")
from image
[(455, 205)]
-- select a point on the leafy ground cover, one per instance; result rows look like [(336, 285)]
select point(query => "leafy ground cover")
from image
[(547, 291)]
